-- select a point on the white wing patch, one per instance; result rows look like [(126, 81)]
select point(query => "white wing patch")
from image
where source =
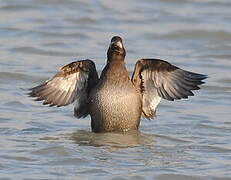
[(151, 99), (81, 88), (155, 102)]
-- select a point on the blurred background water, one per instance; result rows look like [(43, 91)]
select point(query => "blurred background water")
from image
[(189, 139)]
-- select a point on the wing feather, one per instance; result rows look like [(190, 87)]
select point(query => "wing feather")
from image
[(157, 79), (72, 82)]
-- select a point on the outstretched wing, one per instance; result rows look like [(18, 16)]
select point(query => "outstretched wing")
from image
[(157, 79), (72, 82)]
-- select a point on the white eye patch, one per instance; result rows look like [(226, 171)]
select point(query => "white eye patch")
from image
[(117, 43)]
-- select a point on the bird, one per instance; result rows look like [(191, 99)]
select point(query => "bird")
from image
[(114, 101)]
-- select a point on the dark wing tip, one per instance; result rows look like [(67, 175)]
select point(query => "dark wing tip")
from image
[(41, 93), (195, 76), (32, 93)]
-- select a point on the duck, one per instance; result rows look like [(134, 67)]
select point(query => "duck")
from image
[(114, 101)]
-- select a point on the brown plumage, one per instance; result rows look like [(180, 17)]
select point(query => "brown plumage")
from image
[(114, 101)]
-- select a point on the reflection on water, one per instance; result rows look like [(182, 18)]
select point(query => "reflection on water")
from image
[(113, 140)]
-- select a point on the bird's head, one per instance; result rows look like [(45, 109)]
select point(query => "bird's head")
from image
[(116, 50)]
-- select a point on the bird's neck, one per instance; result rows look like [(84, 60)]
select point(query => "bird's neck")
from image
[(115, 58)]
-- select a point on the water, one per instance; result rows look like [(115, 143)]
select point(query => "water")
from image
[(189, 139)]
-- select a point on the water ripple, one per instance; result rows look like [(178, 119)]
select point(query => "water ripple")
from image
[(199, 34), (38, 51)]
